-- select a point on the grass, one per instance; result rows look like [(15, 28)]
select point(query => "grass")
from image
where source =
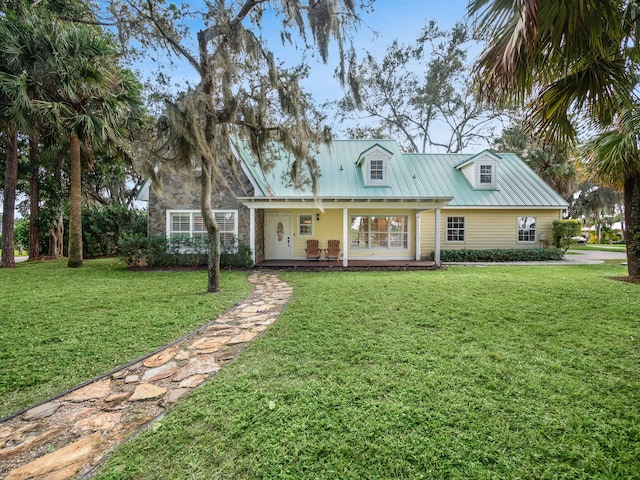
[(60, 327), (483, 373), (16, 254)]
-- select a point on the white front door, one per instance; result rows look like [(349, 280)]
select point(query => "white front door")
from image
[(278, 236)]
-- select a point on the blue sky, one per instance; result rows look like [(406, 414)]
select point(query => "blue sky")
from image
[(391, 19)]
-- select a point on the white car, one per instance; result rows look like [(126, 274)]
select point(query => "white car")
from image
[(579, 239)]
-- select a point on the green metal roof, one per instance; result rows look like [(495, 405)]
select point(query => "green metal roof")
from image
[(410, 176)]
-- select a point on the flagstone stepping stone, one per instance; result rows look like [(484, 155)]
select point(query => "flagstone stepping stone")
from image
[(65, 461), (117, 398), (100, 421), (209, 343), (30, 442), (243, 337), (174, 395), (198, 365), (42, 411), (93, 391), (160, 358), (192, 382), (160, 372), (15, 434), (220, 326), (147, 391), (182, 355)]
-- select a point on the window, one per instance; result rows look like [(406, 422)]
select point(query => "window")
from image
[(526, 229), (486, 174), (228, 228), (377, 232), (376, 171), (190, 224), (455, 229), (305, 225)]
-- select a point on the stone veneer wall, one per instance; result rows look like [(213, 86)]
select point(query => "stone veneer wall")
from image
[(181, 191)]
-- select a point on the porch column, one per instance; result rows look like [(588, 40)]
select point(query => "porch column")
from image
[(436, 231), (345, 237), (418, 252), (252, 233)]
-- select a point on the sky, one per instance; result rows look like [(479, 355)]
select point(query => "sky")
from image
[(391, 19)]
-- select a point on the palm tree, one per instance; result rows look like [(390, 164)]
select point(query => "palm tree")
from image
[(91, 100), (70, 82), (615, 157), (571, 68), (13, 119)]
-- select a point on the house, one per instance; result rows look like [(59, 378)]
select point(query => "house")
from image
[(381, 203)]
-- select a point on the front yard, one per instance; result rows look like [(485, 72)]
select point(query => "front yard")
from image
[(500, 372), (62, 326), (496, 372)]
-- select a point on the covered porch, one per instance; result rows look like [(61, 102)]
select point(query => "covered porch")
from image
[(373, 233), (322, 265)]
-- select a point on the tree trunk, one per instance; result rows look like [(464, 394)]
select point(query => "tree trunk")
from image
[(34, 200), (632, 223), (56, 238), (9, 201), (206, 182), (213, 229), (75, 205)]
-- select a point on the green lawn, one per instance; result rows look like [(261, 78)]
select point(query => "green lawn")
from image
[(62, 326), (467, 373)]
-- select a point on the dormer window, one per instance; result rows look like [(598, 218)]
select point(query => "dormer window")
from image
[(374, 166), (486, 175), (481, 171), (376, 170)]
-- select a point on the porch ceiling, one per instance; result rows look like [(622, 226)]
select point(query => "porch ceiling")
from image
[(342, 202)]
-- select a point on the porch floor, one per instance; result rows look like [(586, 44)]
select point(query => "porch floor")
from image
[(315, 265)]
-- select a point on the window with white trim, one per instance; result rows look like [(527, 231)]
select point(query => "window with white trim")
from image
[(380, 232), (486, 174), (526, 229), (455, 229), (190, 224), (305, 225), (376, 169), (375, 172)]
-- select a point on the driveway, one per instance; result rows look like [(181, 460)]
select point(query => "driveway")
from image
[(593, 256)]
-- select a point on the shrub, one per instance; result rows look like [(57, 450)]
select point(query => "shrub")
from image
[(133, 249), (240, 258), (21, 233), (178, 251), (502, 255), (102, 227), (564, 231)]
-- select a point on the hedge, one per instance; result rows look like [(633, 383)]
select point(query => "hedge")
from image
[(502, 255), (160, 251)]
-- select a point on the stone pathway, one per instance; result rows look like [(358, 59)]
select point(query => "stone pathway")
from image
[(67, 436)]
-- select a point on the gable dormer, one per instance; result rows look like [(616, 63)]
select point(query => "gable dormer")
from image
[(373, 163), (481, 170)]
